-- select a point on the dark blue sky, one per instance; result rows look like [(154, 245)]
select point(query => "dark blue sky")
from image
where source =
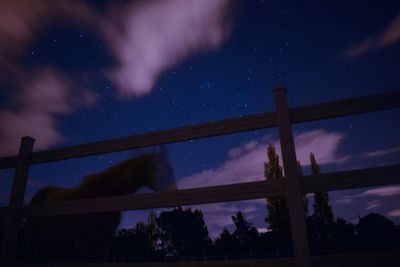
[(320, 50)]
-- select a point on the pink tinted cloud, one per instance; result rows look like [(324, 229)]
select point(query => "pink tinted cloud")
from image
[(36, 96), (245, 162), (389, 36), (385, 191), (345, 200), (373, 204), (24, 20), (147, 38), (150, 37), (39, 99), (394, 213), (384, 152)]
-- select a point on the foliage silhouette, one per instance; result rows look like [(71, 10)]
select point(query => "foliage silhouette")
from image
[(278, 212), (183, 232), (376, 231), (322, 219), (245, 233)]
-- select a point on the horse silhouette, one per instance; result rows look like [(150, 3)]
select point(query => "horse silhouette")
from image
[(87, 237)]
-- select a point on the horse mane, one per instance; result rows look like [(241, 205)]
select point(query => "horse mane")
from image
[(117, 169)]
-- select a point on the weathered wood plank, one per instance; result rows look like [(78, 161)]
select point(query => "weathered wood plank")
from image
[(345, 107), (325, 182), (365, 259), (320, 111), (293, 190), (13, 215)]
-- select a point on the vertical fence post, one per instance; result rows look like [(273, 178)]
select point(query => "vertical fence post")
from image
[(9, 242), (293, 192)]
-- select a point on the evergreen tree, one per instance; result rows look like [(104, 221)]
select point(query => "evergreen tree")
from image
[(245, 233), (152, 229), (278, 212), (227, 242), (322, 210)]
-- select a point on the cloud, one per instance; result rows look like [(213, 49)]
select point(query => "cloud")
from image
[(394, 213), (389, 36), (24, 20), (146, 38), (35, 98), (385, 191), (345, 200), (373, 204), (35, 108), (245, 163), (153, 36), (384, 152)]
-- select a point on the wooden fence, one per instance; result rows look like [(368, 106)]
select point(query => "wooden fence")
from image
[(293, 186)]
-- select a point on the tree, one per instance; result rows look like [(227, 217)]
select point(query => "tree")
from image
[(322, 209), (152, 229), (227, 242), (131, 244), (245, 233), (343, 234), (375, 230), (278, 212), (184, 231)]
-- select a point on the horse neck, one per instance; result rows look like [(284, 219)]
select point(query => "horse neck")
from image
[(126, 177)]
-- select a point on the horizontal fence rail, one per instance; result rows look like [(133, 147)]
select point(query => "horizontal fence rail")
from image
[(243, 191), (307, 113), (364, 259)]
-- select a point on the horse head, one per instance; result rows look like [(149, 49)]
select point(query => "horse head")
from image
[(164, 179)]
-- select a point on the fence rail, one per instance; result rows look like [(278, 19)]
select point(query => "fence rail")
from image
[(364, 259), (283, 118), (307, 113), (222, 193)]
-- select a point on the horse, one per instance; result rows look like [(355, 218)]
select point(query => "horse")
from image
[(87, 237)]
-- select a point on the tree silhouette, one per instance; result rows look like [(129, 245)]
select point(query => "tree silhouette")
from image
[(278, 212), (183, 232), (152, 229), (245, 233), (132, 244), (376, 231), (227, 243), (343, 234), (322, 219), (322, 209)]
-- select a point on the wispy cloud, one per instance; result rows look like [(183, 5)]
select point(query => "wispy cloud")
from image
[(344, 200), (245, 163), (384, 152), (394, 213), (39, 100), (389, 36), (153, 36), (146, 38), (373, 204), (385, 191), (24, 20)]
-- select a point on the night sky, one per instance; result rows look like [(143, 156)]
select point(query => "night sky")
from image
[(75, 71)]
